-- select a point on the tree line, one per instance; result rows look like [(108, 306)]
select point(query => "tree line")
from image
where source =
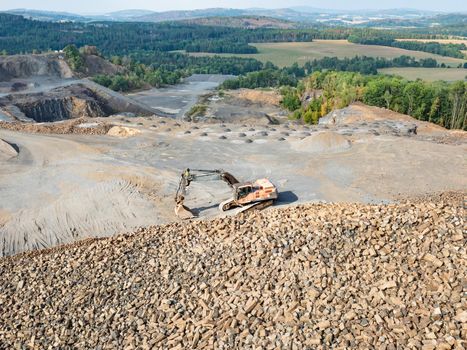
[(386, 38), (367, 65), (172, 61), (272, 76), (150, 69)]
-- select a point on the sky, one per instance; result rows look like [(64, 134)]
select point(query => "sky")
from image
[(103, 6)]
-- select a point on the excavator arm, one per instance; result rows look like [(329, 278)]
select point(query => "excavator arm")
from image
[(188, 176)]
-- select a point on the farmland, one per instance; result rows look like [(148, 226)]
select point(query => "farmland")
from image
[(285, 54), (428, 74)]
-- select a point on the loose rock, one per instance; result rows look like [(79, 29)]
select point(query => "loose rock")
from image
[(280, 278)]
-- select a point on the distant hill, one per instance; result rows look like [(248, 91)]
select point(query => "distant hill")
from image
[(130, 13), (305, 15), (49, 16), (248, 22), (457, 19), (125, 14), (189, 14)]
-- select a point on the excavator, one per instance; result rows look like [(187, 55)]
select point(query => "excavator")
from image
[(255, 195)]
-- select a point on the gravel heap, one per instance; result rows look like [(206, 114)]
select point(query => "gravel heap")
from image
[(310, 276)]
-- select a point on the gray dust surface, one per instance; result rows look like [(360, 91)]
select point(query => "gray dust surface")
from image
[(176, 100)]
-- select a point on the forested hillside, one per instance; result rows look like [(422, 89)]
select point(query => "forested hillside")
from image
[(19, 35)]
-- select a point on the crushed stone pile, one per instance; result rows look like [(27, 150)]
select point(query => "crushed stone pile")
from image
[(258, 96), (326, 141), (312, 276), (123, 131)]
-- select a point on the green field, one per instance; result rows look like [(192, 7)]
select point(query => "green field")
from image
[(428, 74), (285, 54)]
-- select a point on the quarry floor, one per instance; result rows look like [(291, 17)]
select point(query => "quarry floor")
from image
[(62, 188)]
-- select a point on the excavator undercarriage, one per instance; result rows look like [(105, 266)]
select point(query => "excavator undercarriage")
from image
[(246, 196)]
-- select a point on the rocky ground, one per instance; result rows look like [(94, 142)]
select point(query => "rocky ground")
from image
[(384, 273), (104, 176), (314, 276)]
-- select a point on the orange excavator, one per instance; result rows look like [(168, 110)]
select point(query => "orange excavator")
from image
[(255, 195)]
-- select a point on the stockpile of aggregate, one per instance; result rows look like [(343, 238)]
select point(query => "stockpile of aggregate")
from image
[(311, 276)]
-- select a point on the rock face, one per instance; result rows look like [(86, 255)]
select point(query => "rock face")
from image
[(312, 276), (60, 104), (55, 109), (25, 66), (74, 101)]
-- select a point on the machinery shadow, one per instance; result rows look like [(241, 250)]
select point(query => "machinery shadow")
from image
[(198, 211), (287, 197)]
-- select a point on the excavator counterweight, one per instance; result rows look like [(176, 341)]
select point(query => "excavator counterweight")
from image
[(249, 195)]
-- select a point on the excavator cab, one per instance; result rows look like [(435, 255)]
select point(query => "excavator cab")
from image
[(243, 191)]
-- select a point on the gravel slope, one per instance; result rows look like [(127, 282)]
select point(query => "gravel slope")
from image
[(311, 276)]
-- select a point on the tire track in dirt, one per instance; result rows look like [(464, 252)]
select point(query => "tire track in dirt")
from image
[(77, 215)]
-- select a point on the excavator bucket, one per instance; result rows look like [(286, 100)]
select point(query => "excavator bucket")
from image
[(183, 212)]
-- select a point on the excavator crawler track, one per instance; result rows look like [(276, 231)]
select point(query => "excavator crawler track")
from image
[(256, 206)]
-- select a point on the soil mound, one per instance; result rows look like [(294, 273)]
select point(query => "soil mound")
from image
[(94, 65), (322, 142), (7, 151), (54, 65), (313, 276), (123, 131), (259, 96)]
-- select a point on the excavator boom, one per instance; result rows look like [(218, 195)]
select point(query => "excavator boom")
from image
[(190, 175)]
